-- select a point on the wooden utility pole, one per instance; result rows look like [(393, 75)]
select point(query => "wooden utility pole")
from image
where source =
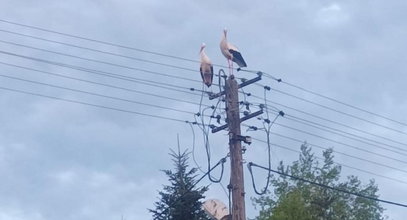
[(235, 141), (236, 161)]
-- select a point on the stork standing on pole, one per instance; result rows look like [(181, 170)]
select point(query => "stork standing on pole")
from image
[(206, 68), (231, 53)]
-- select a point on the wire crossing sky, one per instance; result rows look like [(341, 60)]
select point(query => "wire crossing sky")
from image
[(92, 99)]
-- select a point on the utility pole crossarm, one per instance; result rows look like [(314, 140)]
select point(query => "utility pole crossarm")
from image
[(243, 84), (247, 117)]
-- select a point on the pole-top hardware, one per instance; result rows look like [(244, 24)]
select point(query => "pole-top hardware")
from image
[(281, 113), (245, 139)]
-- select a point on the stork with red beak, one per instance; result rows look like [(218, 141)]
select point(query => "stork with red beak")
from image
[(206, 68), (231, 53)]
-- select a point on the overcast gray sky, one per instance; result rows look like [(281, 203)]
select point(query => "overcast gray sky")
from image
[(60, 160)]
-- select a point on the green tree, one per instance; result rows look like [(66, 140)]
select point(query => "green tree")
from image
[(291, 199), (180, 200), (291, 207)]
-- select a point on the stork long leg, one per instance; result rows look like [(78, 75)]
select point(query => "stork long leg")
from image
[(231, 69), (230, 66)]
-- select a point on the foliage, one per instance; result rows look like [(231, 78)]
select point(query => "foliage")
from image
[(180, 200), (293, 199)]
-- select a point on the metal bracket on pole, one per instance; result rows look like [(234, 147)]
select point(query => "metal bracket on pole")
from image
[(243, 84), (247, 117)]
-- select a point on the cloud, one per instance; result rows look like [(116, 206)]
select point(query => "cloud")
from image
[(332, 15), (68, 161)]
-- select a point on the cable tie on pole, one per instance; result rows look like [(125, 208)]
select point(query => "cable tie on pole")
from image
[(198, 114), (248, 94), (192, 89), (279, 80), (267, 121), (267, 88)]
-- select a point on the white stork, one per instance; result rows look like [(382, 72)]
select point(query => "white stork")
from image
[(206, 68), (231, 53)]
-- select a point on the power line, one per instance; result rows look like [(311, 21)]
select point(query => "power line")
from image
[(190, 60), (308, 122), (341, 164), (88, 49), (100, 84), (109, 74), (341, 143), (107, 43), (325, 148), (329, 187), (96, 94), (98, 41), (338, 111), (347, 145), (335, 131), (100, 61), (338, 152), (334, 100), (333, 122), (90, 59), (93, 105)]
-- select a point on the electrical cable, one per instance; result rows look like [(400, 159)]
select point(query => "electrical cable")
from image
[(205, 134), (108, 74), (331, 130), (338, 111), (343, 144), (335, 131), (100, 84), (340, 164), (193, 149), (196, 163), (97, 41), (99, 51), (305, 121), (208, 153), (195, 61), (334, 122), (90, 104), (338, 152), (328, 187), (95, 94), (107, 43), (267, 130), (334, 100)]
